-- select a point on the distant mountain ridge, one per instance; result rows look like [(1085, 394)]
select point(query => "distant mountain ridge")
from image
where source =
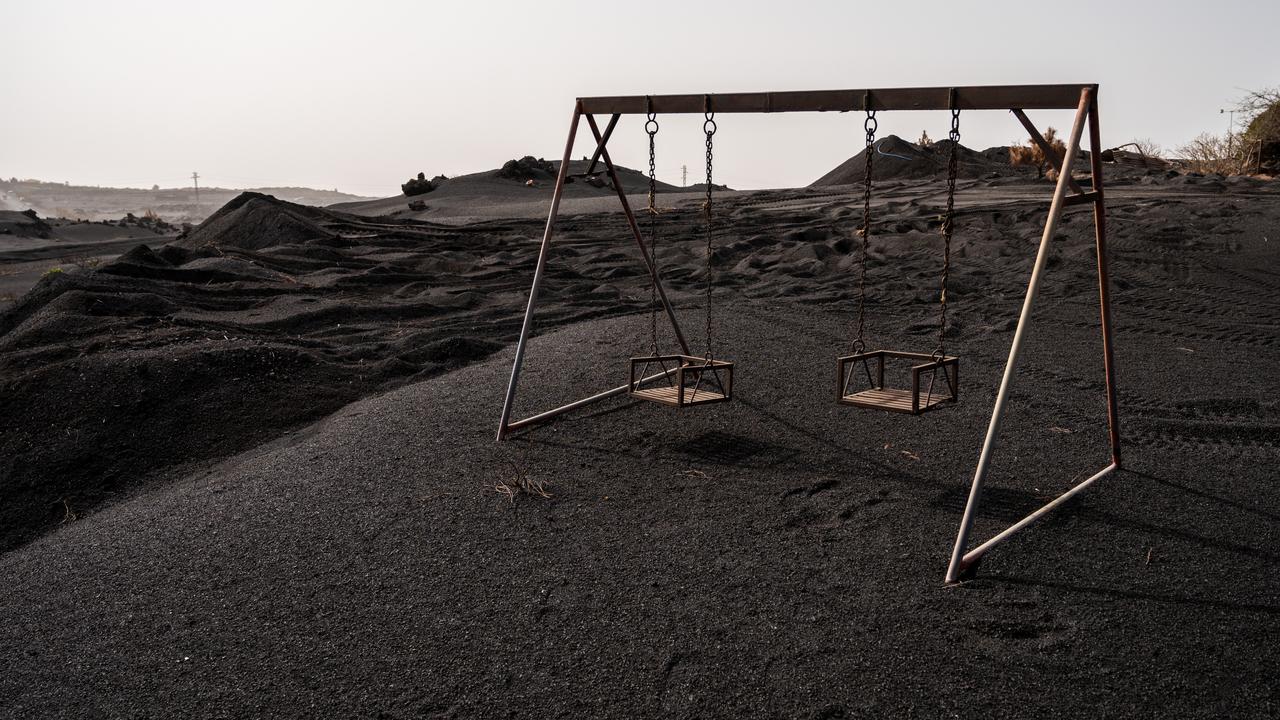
[(177, 205)]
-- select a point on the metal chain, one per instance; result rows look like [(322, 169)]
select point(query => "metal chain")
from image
[(651, 128), (948, 225), (870, 125), (709, 128)]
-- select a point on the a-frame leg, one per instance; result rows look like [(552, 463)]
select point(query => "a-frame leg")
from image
[(537, 273), (505, 425), (1104, 281), (960, 560)]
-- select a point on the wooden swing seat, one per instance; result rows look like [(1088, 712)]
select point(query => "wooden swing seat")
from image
[(688, 380), (925, 393)]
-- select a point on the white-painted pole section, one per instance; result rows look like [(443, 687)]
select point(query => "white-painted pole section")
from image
[(537, 273), (584, 401), (977, 552), (1011, 366)]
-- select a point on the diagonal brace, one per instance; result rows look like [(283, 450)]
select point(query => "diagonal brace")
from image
[(1049, 153)]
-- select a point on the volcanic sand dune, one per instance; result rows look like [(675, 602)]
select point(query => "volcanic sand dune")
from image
[(31, 246), (778, 555), (483, 195), (894, 159)]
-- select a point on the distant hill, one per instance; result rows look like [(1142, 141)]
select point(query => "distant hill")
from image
[(176, 205), (896, 158), (520, 182)]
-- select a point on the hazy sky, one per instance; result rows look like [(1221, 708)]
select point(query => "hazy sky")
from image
[(360, 95)]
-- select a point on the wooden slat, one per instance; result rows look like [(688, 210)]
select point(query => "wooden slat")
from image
[(671, 395), (900, 399), (890, 399), (980, 97)]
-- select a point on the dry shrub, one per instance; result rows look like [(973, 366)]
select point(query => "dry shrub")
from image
[(1031, 155), (1256, 149), (515, 480), (1147, 147), (1209, 153), (1260, 142)]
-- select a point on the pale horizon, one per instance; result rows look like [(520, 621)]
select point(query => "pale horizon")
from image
[(306, 94)]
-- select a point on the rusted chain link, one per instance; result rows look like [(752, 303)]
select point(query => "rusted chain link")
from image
[(651, 128), (870, 125), (709, 129), (948, 226)]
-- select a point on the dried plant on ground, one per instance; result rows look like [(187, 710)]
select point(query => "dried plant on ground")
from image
[(1032, 155), (1259, 145), (515, 480), (1147, 147), (1209, 153)]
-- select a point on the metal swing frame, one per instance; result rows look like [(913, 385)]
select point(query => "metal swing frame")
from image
[(1083, 98)]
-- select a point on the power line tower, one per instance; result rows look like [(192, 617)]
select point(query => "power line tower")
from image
[(684, 175), (195, 178)]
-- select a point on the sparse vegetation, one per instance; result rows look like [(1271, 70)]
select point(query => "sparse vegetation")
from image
[(1147, 147), (515, 480), (1032, 155), (1260, 142), (1209, 153), (51, 271), (1256, 149)]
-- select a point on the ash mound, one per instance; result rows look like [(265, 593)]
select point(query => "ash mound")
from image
[(267, 316), (520, 188), (897, 159), (23, 224), (253, 221)]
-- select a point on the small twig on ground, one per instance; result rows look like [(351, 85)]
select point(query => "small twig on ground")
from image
[(518, 482), (68, 515)]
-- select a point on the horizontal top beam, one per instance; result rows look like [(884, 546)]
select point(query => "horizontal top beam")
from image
[(980, 97)]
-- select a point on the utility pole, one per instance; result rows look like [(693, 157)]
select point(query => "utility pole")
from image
[(195, 178), (684, 175), (1231, 134)]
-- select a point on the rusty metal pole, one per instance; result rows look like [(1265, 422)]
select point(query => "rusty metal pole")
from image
[(508, 403), (1104, 280), (635, 231), (959, 562)]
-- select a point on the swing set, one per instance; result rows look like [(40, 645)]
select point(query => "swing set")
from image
[(685, 379)]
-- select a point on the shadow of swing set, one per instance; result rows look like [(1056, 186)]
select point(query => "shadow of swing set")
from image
[(685, 379)]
